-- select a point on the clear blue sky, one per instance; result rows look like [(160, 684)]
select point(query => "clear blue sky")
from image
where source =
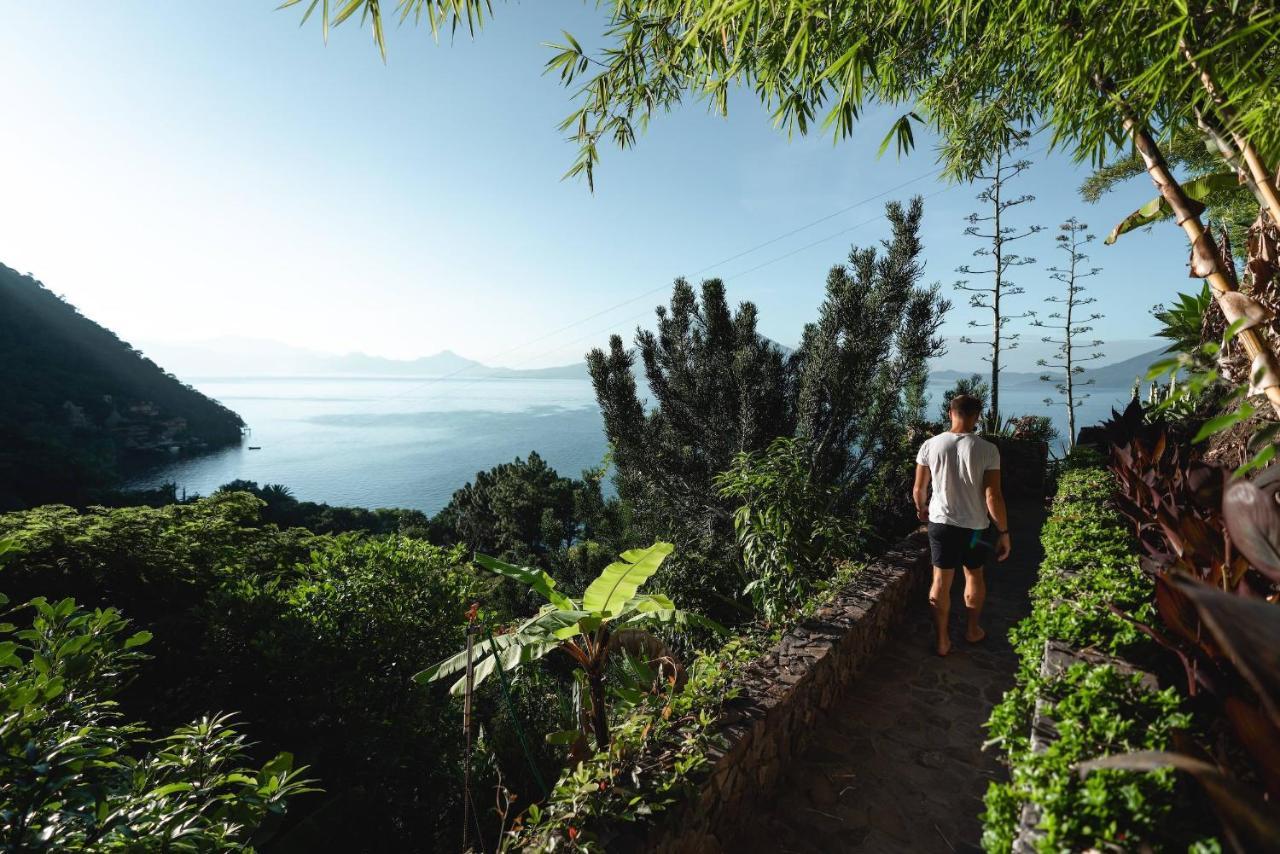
[(185, 171)]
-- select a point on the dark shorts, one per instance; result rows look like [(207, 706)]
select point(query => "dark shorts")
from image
[(954, 547)]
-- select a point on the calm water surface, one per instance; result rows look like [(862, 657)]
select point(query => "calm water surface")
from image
[(408, 442)]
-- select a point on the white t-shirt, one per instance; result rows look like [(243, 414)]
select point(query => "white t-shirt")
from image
[(957, 462)]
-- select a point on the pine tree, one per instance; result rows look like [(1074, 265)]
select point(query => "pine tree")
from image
[(1071, 239), (719, 387)]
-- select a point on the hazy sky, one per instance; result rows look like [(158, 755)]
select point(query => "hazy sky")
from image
[(186, 171)]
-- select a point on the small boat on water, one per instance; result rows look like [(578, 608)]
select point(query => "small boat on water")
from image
[(255, 447)]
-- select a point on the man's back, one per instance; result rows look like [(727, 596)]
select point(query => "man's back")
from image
[(957, 464)]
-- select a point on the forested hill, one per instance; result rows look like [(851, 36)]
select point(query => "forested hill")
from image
[(78, 401)]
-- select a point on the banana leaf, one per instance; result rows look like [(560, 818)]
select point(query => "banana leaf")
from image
[(618, 583), (533, 578), (1157, 209)]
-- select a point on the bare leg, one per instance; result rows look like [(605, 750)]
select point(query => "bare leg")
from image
[(940, 602), (975, 594)]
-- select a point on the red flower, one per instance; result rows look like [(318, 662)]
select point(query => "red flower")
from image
[(573, 833)]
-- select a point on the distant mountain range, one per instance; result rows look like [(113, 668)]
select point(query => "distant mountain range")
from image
[(1120, 374), (238, 357)]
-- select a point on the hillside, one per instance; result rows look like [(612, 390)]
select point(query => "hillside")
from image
[(79, 402)]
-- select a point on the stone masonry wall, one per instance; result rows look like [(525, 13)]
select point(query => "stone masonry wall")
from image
[(783, 693)]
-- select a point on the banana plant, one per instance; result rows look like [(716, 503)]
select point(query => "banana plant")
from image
[(586, 629)]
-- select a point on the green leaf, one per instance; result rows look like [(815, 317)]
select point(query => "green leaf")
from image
[(1222, 422), (455, 663), (620, 580), (535, 579), (679, 618), (510, 658), (138, 639), (281, 764), (1157, 209), (170, 789), (1162, 367), (563, 737)]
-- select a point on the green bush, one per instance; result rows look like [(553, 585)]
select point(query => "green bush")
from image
[(313, 638), (786, 527), (76, 776), (1090, 564), (654, 761)]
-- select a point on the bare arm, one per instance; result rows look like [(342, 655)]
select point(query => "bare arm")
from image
[(920, 492), (996, 508)]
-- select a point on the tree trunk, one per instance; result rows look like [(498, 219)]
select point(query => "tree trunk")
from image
[(599, 715), (1206, 261)]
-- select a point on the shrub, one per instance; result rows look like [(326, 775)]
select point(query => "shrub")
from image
[(786, 526), (314, 638), (76, 776)]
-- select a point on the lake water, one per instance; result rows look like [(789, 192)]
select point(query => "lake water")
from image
[(409, 442)]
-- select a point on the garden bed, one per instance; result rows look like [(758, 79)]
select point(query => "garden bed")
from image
[(1079, 696)]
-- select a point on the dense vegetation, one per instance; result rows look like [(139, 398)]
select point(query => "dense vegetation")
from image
[(309, 622), (311, 638), (848, 393), (1089, 566), (78, 401), (77, 776)]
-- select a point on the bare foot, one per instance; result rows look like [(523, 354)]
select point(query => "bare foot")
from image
[(979, 637), (944, 647)]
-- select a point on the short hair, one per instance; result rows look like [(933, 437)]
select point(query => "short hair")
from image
[(966, 405)]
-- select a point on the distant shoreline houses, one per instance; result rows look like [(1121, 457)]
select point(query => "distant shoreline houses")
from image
[(138, 427)]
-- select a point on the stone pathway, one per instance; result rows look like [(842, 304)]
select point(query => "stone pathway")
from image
[(897, 764)]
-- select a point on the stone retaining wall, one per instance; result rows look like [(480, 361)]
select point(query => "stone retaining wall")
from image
[(783, 693)]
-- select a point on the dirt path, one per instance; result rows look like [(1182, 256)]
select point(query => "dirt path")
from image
[(898, 764)]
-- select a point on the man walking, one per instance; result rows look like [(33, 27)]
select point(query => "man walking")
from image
[(965, 472)]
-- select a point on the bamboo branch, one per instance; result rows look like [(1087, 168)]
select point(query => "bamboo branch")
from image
[(1261, 181), (1206, 261)]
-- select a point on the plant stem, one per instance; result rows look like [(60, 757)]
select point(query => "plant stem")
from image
[(1203, 249), (599, 716), (1262, 183)]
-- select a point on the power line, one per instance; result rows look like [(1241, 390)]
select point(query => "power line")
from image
[(662, 288), (731, 277)]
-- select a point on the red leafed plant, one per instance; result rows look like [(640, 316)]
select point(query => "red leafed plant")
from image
[(1212, 543)]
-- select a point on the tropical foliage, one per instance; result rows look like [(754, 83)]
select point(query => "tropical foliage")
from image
[(79, 776), (589, 630), (1089, 571), (314, 639), (787, 526), (1216, 603)]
